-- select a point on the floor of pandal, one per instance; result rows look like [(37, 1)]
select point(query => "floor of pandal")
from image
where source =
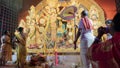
[(65, 61)]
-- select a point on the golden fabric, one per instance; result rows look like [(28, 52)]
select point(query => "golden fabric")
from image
[(21, 49), (6, 48)]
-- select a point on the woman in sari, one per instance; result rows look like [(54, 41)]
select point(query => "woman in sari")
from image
[(6, 48), (107, 54), (20, 41)]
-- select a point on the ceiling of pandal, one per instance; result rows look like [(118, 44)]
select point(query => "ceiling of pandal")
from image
[(109, 7)]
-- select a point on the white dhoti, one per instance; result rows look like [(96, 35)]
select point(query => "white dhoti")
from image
[(84, 45)]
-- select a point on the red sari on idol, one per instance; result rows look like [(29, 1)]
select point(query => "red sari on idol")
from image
[(107, 54)]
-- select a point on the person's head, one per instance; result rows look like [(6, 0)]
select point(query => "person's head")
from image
[(108, 23), (6, 32), (84, 13), (116, 23), (115, 26), (20, 29)]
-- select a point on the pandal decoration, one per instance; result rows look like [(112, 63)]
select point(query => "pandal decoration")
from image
[(49, 24), (68, 13)]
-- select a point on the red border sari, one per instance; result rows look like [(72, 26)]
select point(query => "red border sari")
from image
[(107, 54)]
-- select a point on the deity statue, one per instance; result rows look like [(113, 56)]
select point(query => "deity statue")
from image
[(33, 40), (70, 32), (59, 31), (53, 17)]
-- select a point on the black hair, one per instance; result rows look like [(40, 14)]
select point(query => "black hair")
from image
[(5, 32), (116, 22), (84, 13), (20, 29)]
